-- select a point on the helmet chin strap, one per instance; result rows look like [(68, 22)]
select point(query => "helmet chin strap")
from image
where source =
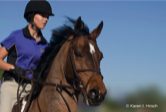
[(31, 22)]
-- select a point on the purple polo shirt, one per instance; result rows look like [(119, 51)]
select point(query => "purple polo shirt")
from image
[(23, 49)]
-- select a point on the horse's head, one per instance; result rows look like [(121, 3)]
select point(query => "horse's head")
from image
[(83, 65), (74, 58)]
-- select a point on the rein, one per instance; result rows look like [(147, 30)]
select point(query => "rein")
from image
[(44, 84)]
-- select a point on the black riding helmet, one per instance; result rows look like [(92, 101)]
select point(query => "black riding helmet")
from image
[(38, 6)]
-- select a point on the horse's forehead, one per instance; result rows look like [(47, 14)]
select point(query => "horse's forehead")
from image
[(90, 44)]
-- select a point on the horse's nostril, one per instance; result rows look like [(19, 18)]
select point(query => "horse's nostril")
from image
[(93, 94)]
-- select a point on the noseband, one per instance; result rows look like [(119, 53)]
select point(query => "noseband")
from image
[(79, 80)]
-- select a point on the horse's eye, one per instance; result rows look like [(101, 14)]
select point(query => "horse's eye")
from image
[(78, 54)]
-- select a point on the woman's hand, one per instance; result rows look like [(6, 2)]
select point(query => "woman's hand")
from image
[(18, 71)]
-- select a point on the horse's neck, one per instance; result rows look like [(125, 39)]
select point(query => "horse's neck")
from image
[(58, 68), (56, 75)]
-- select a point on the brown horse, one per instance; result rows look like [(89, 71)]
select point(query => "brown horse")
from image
[(69, 68)]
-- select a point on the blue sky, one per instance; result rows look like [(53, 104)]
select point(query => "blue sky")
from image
[(133, 39)]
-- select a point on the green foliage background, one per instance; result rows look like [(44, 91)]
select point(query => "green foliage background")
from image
[(1, 72)]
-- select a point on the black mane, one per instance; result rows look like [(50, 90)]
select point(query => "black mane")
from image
[(59, 36)]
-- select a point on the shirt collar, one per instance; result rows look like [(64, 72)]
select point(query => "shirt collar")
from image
[(28, 35)]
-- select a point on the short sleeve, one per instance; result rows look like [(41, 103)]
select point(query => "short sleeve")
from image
[(9, 42)]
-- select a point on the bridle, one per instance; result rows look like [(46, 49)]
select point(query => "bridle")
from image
[(79, 80)]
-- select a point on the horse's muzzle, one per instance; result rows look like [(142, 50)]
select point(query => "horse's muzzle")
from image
[(95, 97)]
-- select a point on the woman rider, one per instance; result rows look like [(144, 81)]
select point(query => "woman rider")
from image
[(23, 49)]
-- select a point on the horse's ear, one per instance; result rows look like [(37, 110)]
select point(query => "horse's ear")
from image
[(79, 24), (96, 32)]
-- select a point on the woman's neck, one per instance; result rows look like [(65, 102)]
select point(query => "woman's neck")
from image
[(34, 32)]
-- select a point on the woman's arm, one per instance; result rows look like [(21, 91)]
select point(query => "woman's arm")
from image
[(3, 65)]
